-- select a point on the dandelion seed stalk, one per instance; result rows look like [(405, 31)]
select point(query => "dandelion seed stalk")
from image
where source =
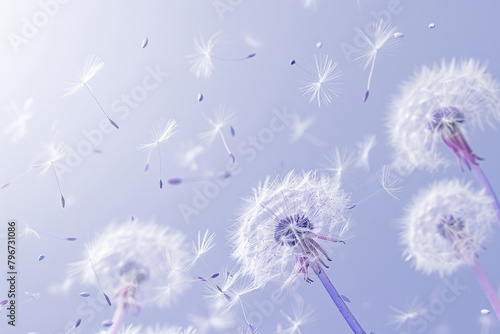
[(337, 299), (63, 201), (99, 104), (483, 181), (487, 288)]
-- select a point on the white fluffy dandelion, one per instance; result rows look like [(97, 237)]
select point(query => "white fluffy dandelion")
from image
[(131, 261), (202, 61), (160, 134), (446, 227), (287, 226), (223, 117), (53, 153), (439, 103), (321, 83), (381, 36), (93, 65)]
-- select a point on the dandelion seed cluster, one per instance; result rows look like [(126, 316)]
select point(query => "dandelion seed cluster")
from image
[(288, 224), (436, 97), (446, 226)]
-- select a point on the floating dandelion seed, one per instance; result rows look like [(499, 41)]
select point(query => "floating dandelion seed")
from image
[(223, 117), (445, 227), (92, 66), (432, 26), (389, 182), (381, 37), (225, 290), (31, 295), (439, 104), (299, 128), (200, 97), (364, 149), (177, 180), (322, 82), (134, 260), (339, 162), (202, 62), (415, 311), (84, 294), (53, 153), (203, 245), (77, 323), (107, 323), (41, 257), (161, 134), (399, 35), (17, 129), (30, 232), (485, 311), (287, 226), (145, 42), (301, 316)]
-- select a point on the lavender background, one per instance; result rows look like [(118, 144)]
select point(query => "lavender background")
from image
[(112, 185)]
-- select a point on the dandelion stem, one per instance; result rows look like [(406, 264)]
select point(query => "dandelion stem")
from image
[(339, 302), (483, 181), (487, 288), (117, 318), (159, 154), (63, 201), (102, 109)]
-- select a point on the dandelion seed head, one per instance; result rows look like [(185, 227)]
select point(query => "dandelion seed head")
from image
[(415, 311), (454, 95), (202, 64), (161, 133), (446, 226), (131, 254), (389, 181), (92, 66), (288, 224), (321, 83)]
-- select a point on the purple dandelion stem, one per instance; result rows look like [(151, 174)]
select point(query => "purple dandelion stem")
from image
[(117, 318), (337, 299), (483, 181), (487, 288)]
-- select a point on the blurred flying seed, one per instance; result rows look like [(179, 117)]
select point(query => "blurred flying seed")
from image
[(71, 238), (214, 275), (107, 299), (432, 26), (200, 97), (63, 201), (232, 131), (41, 257), (175, 180), (319, 45), (84, 294), (107, 323), (345, 298), (292, 62), (161, 184), (399, 35), (231, 158), (3, 302), (97, 151), (132, 218), (202, 279), (485, 311), (78, 322), (145, 42)]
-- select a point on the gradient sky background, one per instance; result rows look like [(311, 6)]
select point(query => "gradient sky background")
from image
[(112, 185)]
